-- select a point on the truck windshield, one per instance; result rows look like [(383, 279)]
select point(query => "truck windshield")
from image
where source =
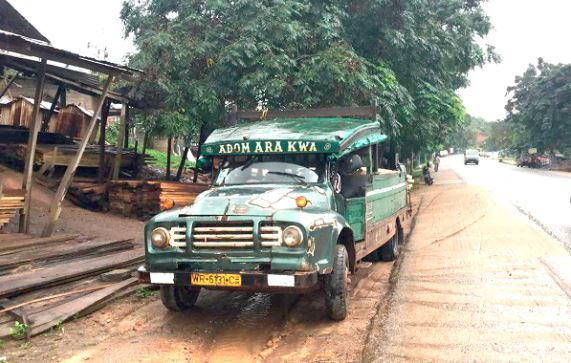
[(255, 171)]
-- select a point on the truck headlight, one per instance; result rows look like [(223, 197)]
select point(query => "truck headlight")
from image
[(292, 236), (160, 237)]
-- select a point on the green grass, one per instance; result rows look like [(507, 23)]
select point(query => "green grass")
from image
[(19, 330), (161, 160), (144, 293)]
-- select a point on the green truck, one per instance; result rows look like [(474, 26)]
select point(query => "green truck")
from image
[(297, 200)]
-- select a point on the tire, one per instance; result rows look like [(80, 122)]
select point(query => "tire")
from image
[(335, 286), (477, 163), (390, 250), (178, 298)]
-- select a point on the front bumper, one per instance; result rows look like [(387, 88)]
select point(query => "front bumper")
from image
[(297, 282)]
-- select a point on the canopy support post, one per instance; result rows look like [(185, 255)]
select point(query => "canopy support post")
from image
[(120, 142), (34, 128), (102, 130), (56, 205), (8, 85)]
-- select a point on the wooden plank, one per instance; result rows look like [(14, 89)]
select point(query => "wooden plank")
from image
[(46, 319), (38, 278), (18, 243), (59, 252)]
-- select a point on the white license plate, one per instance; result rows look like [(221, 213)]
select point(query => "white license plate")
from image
[(162, 278), (281, 280)]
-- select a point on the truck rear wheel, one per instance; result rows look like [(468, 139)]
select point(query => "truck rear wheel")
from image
[(178, 298), (335, 286), (390, 250)]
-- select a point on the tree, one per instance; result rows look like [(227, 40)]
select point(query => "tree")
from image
[(539, 108), (410, 56)]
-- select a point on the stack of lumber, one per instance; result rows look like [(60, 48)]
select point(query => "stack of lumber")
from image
[(84, 192), (144, 199), (11, 201), (46, 281)]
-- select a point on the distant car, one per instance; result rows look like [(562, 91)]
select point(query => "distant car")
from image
[(471, 156)]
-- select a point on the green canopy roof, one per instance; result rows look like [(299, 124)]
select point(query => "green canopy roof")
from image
[(313, 135)]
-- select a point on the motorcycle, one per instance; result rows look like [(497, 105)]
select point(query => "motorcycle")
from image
[(426, 174)]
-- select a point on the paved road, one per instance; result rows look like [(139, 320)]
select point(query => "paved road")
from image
[(542, 195)]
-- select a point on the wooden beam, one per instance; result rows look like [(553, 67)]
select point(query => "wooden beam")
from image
[(355, 111), (34, 127), (120, 141), (8, 84), (46, 121), (56, 205), (102, 131), (145, 142)]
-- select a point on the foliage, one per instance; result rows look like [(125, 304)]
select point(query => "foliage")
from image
[(160, 159), (19, 330), (539, 108), (145, 292), (200, 56), (465, 136)]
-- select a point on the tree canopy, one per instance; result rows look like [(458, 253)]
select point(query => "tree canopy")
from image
[(199, 56), (539, 108)]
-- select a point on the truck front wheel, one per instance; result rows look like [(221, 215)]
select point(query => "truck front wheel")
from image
[(178, 298), (336, 285)]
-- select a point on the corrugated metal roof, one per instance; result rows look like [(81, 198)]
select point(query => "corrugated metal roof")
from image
[(20, 44), (11, 20)]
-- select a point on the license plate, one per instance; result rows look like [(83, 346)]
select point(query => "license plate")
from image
[(212, 279)]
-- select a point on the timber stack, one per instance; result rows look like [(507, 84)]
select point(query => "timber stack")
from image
[(144, 199), (11, 201), (46, 281)]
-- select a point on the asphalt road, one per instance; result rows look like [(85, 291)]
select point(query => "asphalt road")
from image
[(542, 195)]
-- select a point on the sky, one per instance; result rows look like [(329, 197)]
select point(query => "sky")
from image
[(523, 31)]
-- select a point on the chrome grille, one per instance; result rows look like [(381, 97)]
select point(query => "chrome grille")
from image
[(178, 236), (234, 235), (271, 236), (223, 234)]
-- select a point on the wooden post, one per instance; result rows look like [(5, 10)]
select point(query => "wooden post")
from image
[(102, 131), (34, 128), (182, 162), (127, 123), (169, 151), (46, 121), (8, 84), (56, 205), (145, 142), (120, 138)]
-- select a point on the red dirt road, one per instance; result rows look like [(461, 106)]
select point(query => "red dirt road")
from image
[(478, 282)]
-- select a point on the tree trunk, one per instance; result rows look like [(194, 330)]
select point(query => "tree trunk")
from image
[(182, 162), (169, 151)]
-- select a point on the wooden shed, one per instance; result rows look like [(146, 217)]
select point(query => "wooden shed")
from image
[(18, 112), (73, 120)]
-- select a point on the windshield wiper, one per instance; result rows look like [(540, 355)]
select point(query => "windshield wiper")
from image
[(247, 164), (300, 178)]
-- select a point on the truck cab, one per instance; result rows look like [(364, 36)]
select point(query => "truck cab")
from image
[(295, 203)]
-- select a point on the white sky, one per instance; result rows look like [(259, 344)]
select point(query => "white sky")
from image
[(523, 31)]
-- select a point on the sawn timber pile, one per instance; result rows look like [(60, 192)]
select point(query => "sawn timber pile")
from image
[(144, 199), (11, 201), (45, 281)]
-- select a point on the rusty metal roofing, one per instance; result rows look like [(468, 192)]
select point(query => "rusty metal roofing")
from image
[(12, 21), (20, 44)]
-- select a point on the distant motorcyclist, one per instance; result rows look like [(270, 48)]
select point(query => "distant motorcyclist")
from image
[(426, 174)]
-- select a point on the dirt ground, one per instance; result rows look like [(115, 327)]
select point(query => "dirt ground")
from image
[(73, 219), (486, 285), (224, 326)]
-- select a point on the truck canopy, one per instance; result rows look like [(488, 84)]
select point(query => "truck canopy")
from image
[(334, 136)]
